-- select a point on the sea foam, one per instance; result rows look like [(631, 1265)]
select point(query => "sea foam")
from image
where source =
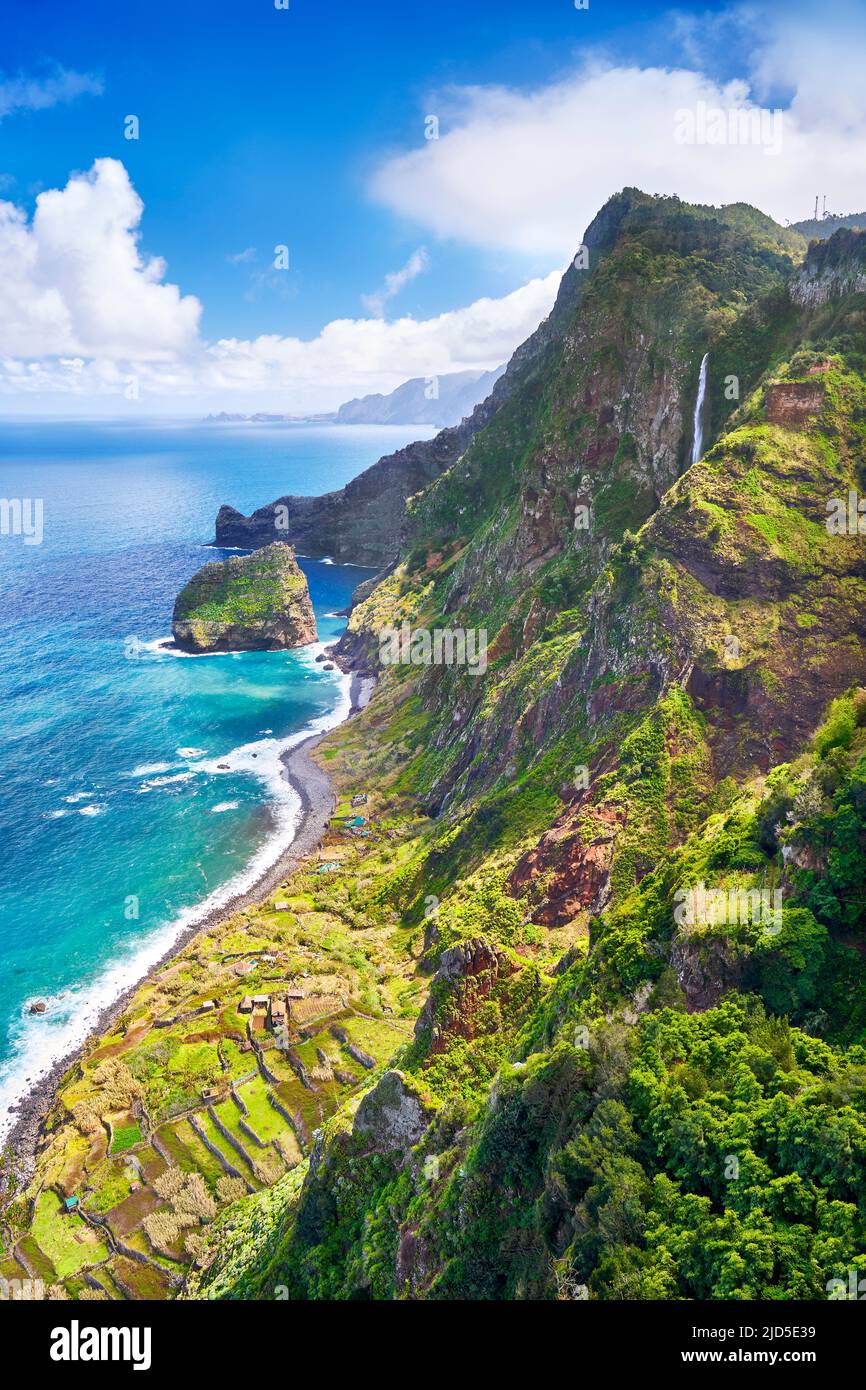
[(39, 1042)]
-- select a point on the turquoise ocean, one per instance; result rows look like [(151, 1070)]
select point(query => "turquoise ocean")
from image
[(118, 827)]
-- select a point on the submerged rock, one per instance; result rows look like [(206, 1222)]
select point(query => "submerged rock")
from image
[(257, 602)]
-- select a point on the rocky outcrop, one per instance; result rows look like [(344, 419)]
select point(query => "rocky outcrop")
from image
[(257, 602), (832, 270), (416, 1262), (467, 975), (362, 522), (393, 1116), (706, 966)]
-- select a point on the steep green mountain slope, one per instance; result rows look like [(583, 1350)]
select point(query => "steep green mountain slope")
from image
[(512, 538), (676, 1113), (610, 1093), (675, 275), (605, 929)]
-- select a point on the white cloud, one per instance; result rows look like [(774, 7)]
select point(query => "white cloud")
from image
[(38, 93), (816, 60), (82, 310), (73, 281), (361, 355), (243, 257), (526, 172), (395, 281), (349, 357), (84, 314)]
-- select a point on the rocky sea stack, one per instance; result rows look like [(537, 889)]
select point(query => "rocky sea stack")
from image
[(257, 602)]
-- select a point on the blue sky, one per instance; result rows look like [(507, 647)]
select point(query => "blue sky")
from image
[(261, 127)]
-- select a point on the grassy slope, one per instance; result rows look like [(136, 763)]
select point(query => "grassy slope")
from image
[(629, 1146), (587, 1131)]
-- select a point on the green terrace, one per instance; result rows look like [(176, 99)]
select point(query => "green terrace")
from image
[(213, 1083)]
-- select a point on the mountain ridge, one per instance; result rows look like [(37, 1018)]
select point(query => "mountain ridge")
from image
[(658, 762), (435, 400), (363, 523), (592, 947)]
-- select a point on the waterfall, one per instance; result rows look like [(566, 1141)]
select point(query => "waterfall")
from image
[(698, 445)]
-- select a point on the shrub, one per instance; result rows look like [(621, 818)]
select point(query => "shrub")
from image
[(195, 1198), (230, 1189), (86, 1118), (170, 1183), (164, 1227), (838, 728)]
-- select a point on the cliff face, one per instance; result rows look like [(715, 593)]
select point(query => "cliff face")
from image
[(588, 452), (832, 270), (580, 1118), (363, 523), (257, 602), (514, 539)]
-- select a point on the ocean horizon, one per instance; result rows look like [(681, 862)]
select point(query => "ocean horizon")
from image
[(141, 788)]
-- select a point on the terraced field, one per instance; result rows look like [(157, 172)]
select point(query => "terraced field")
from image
[(190, 1104)]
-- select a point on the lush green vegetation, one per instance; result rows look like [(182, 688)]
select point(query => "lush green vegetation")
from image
[(541, 1072), (674, 1110), (255, 587), (624, 1153)]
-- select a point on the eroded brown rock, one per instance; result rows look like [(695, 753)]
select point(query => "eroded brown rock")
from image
[(569, 868), (794, 403), (468, 971)]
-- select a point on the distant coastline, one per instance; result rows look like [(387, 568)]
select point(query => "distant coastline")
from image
[(225, 417), (423, 402)]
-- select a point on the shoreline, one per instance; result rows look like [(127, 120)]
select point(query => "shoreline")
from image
[(318, 802)]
